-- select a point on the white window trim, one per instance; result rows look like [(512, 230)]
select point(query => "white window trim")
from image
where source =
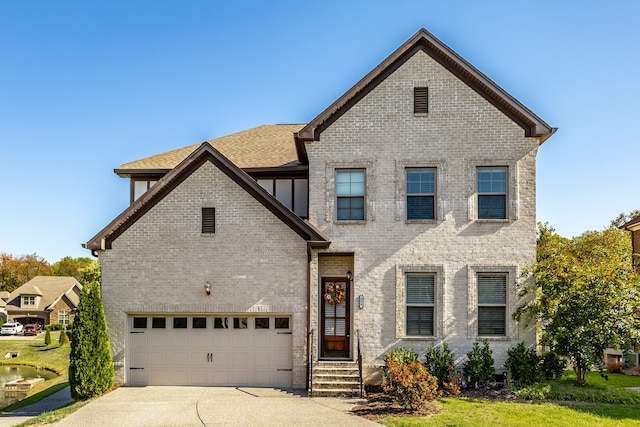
[(24, 304), (331, 209), (401, 301), (472, 296), (512, 202)]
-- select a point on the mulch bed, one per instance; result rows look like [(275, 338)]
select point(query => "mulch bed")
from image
[(380, 405)]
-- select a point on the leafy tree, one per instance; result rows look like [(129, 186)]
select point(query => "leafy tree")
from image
[(72, 267), (585, 294), (623, 218), (91, 371), (16, 271), (90, 273)]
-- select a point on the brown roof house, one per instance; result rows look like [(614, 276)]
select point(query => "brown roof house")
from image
[(402, 215), (44, 300)]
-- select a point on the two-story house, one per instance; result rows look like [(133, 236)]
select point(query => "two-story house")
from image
[(402, 215)]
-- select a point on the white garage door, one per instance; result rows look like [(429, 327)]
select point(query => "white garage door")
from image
[(209, 350)]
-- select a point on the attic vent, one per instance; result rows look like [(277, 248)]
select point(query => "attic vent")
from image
[(208, 220), (420, 100)]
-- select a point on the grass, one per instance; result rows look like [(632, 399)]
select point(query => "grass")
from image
[(465, 412), (49, 418), (603, 403), (35, 353)]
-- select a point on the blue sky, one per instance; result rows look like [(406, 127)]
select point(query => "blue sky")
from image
[(86, 86)]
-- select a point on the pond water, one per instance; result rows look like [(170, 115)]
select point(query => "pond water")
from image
[(14, 372)]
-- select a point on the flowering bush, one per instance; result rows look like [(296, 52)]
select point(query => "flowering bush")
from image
[(408, 382)]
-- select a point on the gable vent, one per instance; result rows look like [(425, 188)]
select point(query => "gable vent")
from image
[(420, 100), (208, 220)]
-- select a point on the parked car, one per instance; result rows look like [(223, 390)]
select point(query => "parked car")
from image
[(12, 328), (32, 330)]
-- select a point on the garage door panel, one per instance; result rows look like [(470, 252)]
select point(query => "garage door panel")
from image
[(249, 352)]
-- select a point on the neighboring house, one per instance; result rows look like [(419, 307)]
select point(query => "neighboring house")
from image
[(44, 300), (4, 296), (402, 215)]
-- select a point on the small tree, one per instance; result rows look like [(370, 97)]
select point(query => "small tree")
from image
[(91, 371), (586, 294), (47, 337), (439, 361), (407, 380), (479, 368), (63, 338)]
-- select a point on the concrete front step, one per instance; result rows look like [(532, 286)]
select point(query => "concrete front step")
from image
[(336, 379)]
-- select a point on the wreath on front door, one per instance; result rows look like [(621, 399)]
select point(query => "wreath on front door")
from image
[(334, 293)]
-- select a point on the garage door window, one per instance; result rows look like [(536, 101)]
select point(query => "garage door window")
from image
[(199, 323), (179, 323), (239, 323), (140, 323), (282, 323), (159, 323), (221, 323), (262, 323)]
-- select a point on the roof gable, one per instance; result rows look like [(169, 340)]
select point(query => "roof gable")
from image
[(48, 288), (204, 153), (424, 41)]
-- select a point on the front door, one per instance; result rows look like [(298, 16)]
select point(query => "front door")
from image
[(335, 318)]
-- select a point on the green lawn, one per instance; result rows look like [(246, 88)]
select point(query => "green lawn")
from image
[(35, 353), (597, 404)]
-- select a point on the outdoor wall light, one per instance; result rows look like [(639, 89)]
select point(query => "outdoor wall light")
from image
[(361, 302), (349, 276), (207, 288)]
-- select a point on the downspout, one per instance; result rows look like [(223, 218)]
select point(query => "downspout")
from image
[(308, 313)]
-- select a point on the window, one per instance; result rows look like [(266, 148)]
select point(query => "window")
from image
[(421, 188), (262, 323), (420, 304), (139, 322), (199, 323), (158, 322), (293, 193), (221, 323), (239, 323), (28, 301), (492, 304), (282, 323), (420, 100), (179, 323), (492, 192), (208, 220), (139, 187), (350, 194), (64, 317)]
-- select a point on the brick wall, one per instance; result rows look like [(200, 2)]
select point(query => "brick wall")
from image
[(255, 263), (460, 132)]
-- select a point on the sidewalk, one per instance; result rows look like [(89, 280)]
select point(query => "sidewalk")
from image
[(55, 401)]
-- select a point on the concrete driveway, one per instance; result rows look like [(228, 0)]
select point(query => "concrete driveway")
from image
[(213, 406)]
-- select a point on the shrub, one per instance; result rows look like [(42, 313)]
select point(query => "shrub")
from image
[(47, 337), (478, 369), (523, 365), (439, 361), (408, 382), (552, 365), (54, 327), (402, 355), (63, 338)]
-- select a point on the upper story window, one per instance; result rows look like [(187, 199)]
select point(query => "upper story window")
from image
[(492, 304), (421, 188), (293, 193), (492, 192), (420, 304), (350, 193), (139, 187), (28, 301)]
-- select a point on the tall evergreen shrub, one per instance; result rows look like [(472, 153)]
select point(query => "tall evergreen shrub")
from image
[(91, 371)]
